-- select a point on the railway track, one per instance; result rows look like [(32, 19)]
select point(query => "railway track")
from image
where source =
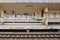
[(29, 35)]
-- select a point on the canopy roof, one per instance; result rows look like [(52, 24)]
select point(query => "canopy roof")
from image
[(29, 6)]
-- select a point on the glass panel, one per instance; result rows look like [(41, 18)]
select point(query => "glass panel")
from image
[(38, 15), (51, 15), (58, 15)]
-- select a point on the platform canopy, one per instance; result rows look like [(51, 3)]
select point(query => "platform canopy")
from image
[(22, 7), (29, 1), (29, 6)]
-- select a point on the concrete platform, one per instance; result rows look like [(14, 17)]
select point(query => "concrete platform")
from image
[(23, 26)]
